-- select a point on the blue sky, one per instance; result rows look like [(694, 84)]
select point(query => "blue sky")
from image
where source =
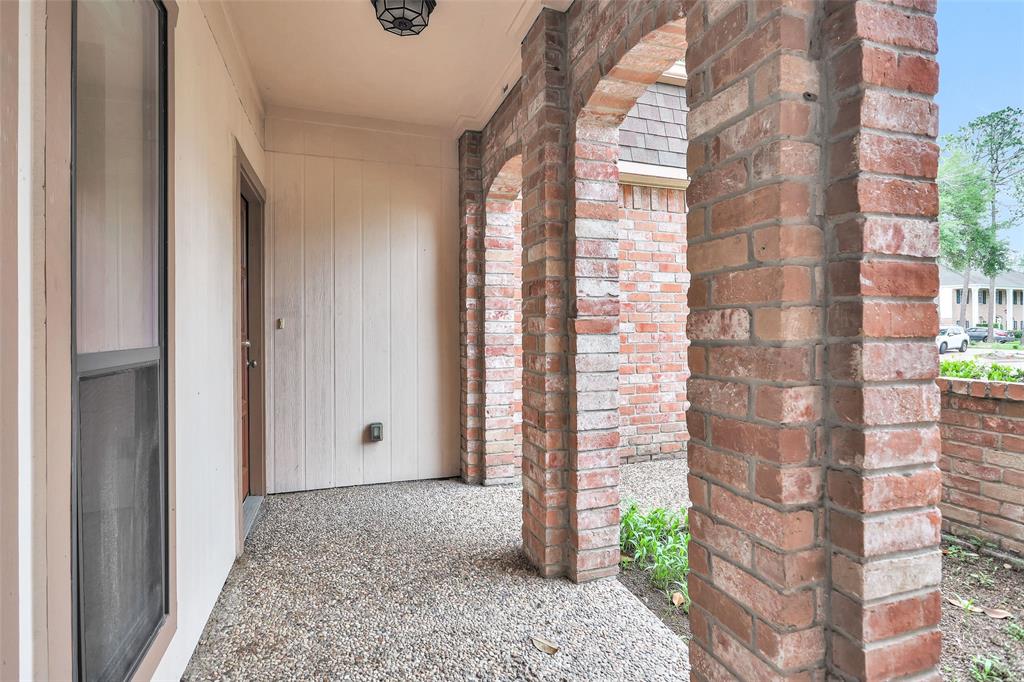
[(981, 64)]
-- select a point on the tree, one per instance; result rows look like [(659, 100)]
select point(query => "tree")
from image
[(994, 143), (964, 193)]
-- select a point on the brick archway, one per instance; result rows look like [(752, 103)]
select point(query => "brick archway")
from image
[(811, 251), (502, 326)]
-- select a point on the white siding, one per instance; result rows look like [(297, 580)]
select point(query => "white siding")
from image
[(365, 258)]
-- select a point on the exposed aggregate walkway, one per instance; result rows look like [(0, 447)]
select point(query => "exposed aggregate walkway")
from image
[(425, 581)]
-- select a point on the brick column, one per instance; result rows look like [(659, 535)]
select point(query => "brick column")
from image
[(755, 252), (883, 484), (545, 457), (471, 219), (502, 346)]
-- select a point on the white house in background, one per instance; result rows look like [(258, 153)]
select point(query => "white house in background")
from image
[(1009, 309)]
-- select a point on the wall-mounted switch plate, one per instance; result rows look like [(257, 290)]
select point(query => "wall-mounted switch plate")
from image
[(376, 432)]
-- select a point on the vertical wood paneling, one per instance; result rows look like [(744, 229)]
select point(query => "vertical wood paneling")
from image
[(377, 319), (269, 316), (447, 409), (428, 304), (348, 322), (364, 260), (318, 320), (289, 392), (405, 337)]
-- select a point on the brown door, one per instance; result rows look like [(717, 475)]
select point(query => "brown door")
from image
[(247, 361)]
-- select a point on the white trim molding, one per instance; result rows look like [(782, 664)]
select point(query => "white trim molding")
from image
[(651, 175), (676, 75)]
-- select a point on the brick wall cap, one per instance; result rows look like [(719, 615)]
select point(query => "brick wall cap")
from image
[(980, 388)]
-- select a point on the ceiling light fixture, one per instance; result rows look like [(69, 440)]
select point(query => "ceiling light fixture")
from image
[(403, 17)]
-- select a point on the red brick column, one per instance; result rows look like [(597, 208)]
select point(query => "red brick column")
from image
[(545, 455), (755, 253), (594, 290), (471, 218), (502, 311), (883, 485)]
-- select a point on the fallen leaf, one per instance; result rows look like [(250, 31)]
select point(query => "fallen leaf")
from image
[(678, 599), (996, 613), (963, 604), (544, 645)]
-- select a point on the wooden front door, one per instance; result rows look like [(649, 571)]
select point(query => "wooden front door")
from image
[(246, 342)]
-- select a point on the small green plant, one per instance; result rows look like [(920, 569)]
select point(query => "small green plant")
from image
[(1015, 631), (961, 554), (985, 669), (967, 605), (969, 369), (658, 542), (983, 579)]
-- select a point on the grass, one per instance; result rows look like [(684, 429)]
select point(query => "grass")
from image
[(969, 369), (1015, 631), (994, 345), (657, 542), (986, 669)]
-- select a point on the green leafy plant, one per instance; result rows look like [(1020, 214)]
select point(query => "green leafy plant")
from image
[(961, 554), (658, 542), (1015, 631), (969, 369), (984, 579), (967, 605), (985, 669)]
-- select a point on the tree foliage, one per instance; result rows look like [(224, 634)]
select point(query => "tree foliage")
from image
[(981, 194)]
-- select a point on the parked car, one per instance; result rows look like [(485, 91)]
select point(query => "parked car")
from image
[(998, 335), (951, 337), (1002, 336), (978, 333)]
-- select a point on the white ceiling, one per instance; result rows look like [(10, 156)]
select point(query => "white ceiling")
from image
[(333, 56)]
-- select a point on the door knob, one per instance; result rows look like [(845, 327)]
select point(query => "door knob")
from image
[(246, 344), (250, 364)]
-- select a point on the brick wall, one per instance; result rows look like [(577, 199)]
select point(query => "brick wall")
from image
[(982, 461), (654, 131), (652, 323)]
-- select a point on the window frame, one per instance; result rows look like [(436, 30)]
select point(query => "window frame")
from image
[(60, 382)]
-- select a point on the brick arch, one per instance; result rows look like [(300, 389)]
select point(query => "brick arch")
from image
[(502, 303), (594, 307), (813, 437)]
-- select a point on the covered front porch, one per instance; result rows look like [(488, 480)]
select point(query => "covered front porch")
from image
[(426, 580), (364, 263)]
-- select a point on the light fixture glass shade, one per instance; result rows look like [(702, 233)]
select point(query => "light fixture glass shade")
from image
[(403, 17)]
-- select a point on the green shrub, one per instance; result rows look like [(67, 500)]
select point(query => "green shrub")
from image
[(658, 542), (969, 369)]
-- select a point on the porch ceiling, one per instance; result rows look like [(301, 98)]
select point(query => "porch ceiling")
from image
[(335, 57)]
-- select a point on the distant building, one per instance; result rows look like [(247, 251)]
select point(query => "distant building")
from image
[(1009, 309)]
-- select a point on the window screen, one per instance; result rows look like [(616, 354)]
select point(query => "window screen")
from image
[(119, 329)]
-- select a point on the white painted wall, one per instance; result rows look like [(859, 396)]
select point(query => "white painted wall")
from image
[(364, 248), (209, 118)]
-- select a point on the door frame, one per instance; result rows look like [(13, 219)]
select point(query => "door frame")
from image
[(248, 185)]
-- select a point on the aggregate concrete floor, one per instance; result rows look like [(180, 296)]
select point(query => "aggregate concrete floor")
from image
[(426, 581)]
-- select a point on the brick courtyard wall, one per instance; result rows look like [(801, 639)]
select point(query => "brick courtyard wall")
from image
[(652, 323), (982, 462)]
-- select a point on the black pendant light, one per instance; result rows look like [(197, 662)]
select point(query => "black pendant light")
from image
[(403, 17)]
